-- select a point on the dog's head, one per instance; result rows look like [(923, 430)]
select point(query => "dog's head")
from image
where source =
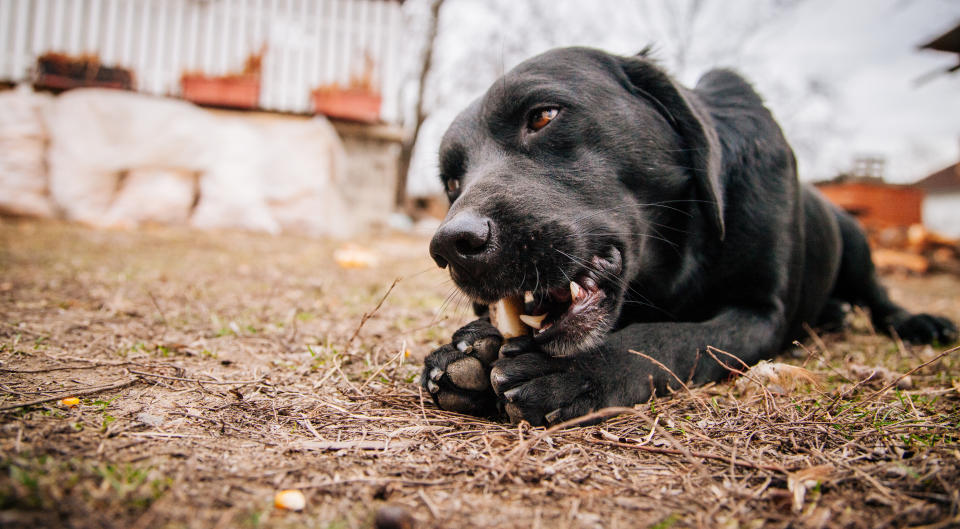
[(570, 179)]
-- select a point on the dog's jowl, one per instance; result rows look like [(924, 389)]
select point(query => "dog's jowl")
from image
[(633, 214)]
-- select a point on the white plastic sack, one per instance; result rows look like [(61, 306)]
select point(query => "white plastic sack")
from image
[(136, 201), (304, 169), (23, 139), (251, 173), (98, 135), (231, 191)]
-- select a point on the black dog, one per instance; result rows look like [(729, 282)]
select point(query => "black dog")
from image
[(638, 216)]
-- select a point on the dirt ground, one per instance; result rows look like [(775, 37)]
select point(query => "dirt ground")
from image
[(214, 369)]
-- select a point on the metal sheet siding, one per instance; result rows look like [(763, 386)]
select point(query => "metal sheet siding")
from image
[(308, 42)]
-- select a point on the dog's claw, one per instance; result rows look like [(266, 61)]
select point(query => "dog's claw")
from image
[(513, 412), (497, 379), (432, 387), (553, 415), (435, 374)]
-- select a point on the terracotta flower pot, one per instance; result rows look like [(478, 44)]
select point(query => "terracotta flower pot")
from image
[(355, 105), (234, 91)]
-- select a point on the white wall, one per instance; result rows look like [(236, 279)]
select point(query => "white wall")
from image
[(941, 213)]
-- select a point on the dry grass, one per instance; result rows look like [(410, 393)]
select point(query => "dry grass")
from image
[(216, 369)]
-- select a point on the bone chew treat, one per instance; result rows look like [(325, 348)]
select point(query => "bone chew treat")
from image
[(505, 316)]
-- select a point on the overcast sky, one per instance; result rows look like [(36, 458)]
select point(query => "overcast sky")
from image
[(840, 76)]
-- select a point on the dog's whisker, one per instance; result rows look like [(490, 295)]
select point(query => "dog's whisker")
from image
[(454, 292), (646, 303), (602, 212), (582, 262), (659, 204), (657, 236), (463, 305)]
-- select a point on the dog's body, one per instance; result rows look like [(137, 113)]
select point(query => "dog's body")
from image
[(641, 216)]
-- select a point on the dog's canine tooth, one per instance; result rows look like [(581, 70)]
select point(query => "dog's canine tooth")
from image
[(576, 292), (527, 296), (533, 321)]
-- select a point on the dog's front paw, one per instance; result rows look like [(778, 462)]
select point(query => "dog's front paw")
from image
[(926, 328), (543, 390), (457, 375)]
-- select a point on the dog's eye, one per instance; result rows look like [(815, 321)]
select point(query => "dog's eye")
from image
[(453, 186), (540, 118)]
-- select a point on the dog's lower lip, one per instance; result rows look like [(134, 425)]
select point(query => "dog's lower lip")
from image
[(590, 299), (558, 310)]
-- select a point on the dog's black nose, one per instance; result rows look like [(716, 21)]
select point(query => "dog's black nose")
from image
[(461, 240)]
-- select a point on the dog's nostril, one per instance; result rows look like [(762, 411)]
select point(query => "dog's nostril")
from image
[(473, 241), (461, 238)]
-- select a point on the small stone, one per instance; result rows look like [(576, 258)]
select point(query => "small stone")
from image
[(393, 517), (149, 419)]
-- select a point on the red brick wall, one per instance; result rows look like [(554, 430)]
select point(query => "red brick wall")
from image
[(877, 206)]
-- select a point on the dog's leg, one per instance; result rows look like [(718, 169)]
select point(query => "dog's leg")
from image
[(544, 390), (857, 283), (833, 316)]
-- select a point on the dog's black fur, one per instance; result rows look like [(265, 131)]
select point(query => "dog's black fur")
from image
[(678, 211)]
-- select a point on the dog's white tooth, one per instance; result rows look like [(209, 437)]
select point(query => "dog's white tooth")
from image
[(527, 297), (533, 321), (575, 291), (504, 316)]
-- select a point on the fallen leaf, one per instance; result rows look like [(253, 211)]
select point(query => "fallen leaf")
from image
[(802, 480), (776, 377)]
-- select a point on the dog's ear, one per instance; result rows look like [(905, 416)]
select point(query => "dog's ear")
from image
[(685, 114)]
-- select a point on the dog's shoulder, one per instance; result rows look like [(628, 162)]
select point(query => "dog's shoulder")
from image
[(745, 126)]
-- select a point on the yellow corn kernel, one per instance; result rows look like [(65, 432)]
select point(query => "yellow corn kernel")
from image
[(291, 500)]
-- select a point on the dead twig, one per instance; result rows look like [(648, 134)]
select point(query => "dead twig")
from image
[(894, 382), (399, 354), (704, 455), (49, 369), (333, 446), (77, 393), (671, 373), (430, 506), (163, 317), (195, 380), (367, 315), (371, 481)]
